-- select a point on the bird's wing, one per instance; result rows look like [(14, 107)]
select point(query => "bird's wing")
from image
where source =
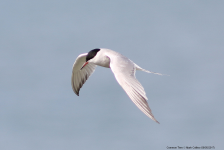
[(79, 76), (124, 72)]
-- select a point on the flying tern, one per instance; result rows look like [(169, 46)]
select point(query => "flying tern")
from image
[(124, 72)]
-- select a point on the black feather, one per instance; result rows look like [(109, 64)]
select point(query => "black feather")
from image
[(92, 54)]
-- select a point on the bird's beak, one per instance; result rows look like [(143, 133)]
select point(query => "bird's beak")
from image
[(84, 65)]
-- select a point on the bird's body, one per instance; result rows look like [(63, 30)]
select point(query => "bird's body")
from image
[(123, 69)]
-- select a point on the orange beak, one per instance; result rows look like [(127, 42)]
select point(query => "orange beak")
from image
[(84, 65)]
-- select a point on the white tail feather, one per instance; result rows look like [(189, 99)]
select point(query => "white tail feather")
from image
[(139, 68)]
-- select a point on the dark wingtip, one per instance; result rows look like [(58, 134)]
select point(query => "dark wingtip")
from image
[(77, 93)]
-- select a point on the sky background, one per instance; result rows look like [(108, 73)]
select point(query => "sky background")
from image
[(40, 40)]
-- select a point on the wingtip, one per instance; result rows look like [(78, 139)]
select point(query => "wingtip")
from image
[(155, 120), (77, 93)]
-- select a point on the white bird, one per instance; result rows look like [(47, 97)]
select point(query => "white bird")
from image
[(123, 69)]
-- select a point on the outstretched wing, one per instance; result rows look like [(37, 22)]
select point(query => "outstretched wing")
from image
[(124, 72), (79, 76)]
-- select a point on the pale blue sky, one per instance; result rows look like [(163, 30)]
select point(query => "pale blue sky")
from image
[(40, 40)]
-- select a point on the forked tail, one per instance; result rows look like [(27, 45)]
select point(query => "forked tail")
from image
[(139, 68)]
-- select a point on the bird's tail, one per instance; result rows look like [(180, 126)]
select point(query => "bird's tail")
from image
[(139, 68)]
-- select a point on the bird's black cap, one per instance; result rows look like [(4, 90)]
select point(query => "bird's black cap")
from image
[(92, 54)]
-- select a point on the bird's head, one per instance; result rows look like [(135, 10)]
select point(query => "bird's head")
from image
[(90, 56)]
